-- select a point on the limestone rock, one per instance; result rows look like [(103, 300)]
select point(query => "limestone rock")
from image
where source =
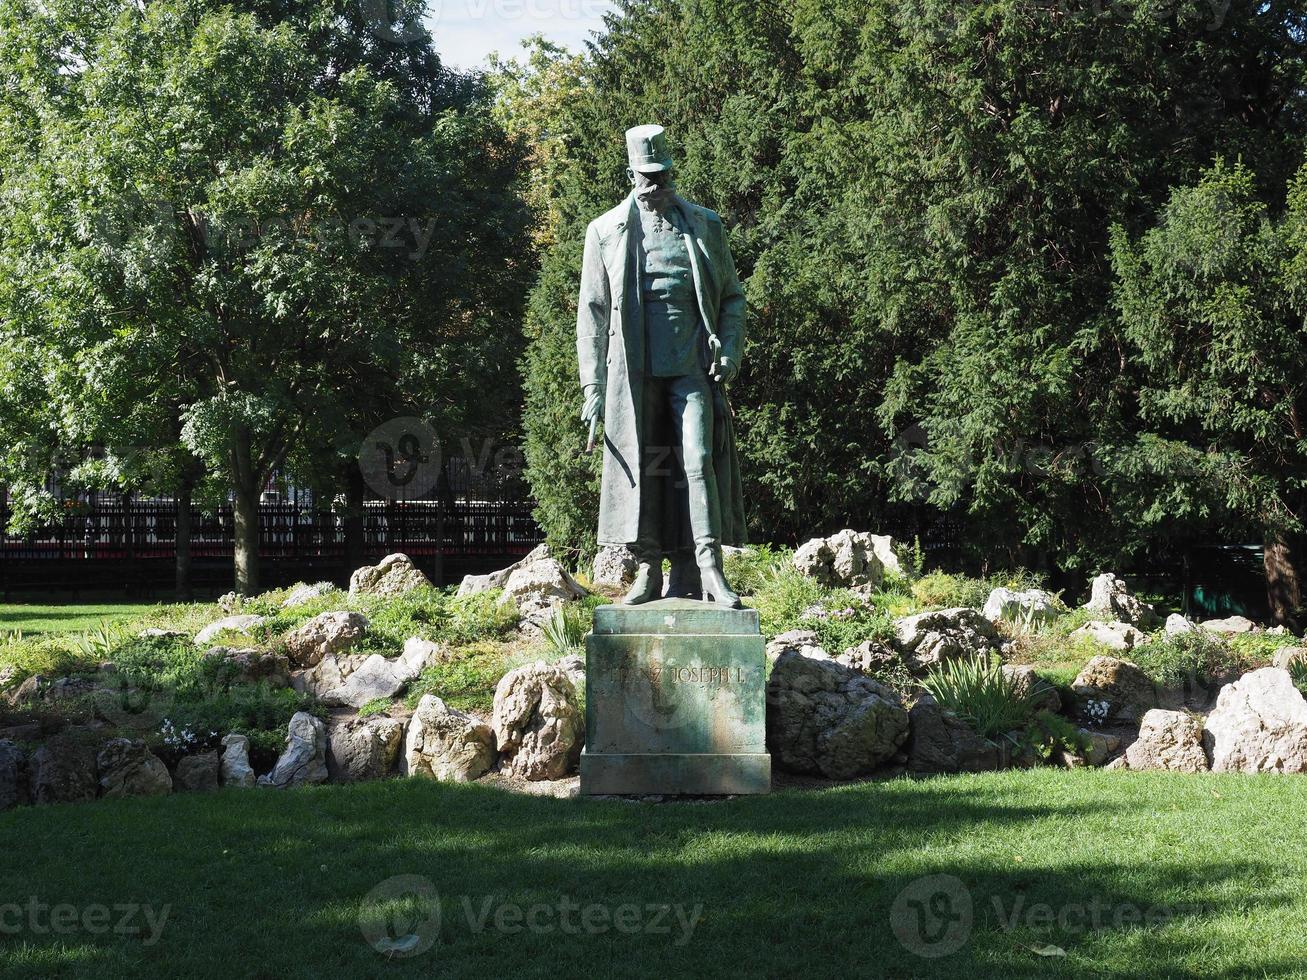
[(446, 744), (1034, 607), (1231, 626), (941, 742), (63, 770), (13, 775), (844, 560), (615, 567), (326, 676), (537, 723), (1288, 657), (394, 575), (931, 638), (1127, 691), (1177, 625), (1101, 747), (249, 666), (1168, 740), (870, 657), (379, 677), (1028, 683), (574, 667), (364, 749), (473, 584), (236, 624), (234, 767), (197, 773), (329, 634), (302, 595), (231, 602), (304, 760), (1259, 725), (804, 642), (825, 718), (1110, 599), (156, 633), (128, 768), (1114, 636), (545, 580), (883, 546)]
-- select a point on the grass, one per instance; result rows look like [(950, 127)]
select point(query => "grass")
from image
[(48, 620), (797, 884)]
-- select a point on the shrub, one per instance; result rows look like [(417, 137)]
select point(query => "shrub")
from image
[(439, 616), (1049, 733), (1172, 660), (977, 691), (789, 600), (466, 680), (565, 631), (747, 571)]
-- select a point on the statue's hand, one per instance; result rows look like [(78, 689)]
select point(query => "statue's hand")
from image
[(727, 372), (594, 404)]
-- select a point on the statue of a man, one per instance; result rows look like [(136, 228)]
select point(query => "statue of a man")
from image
[(660, 329)]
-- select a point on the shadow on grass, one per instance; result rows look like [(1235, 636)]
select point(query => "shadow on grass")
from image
[(796, 884)]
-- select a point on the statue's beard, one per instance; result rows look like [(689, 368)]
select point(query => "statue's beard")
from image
[(654, 197)]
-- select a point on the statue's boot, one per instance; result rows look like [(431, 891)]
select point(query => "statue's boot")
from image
[(684, 581), (648, 584), (715, 588)]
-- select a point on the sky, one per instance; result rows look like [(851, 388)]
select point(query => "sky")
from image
[(466, 31)]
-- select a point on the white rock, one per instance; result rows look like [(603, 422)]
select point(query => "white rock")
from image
[(302, 595), (473, 584), (615, 567), (446, 744), (930, 638), (1231, 626), (545, 579), (328, 634), (379, 677), (304, 760), (1114, 636), (394, 575), (1168, 740), (1034, 606), (537, 722), (237, 624), (1259, 725), (128, 768), (1177, 625), (364, 749), (1112, 601), (844, 560), (235, 766)]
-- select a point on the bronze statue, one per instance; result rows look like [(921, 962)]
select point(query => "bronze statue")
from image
[(660, 330)]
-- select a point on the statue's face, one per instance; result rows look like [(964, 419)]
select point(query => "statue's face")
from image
[(654, 191)]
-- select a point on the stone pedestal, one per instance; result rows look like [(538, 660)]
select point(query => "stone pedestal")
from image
[(675, 701)]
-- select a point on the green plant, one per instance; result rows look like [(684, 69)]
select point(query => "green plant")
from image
[(789, 600), (1298, 671), (1194, 656), (978, 691), (466, 680), (565, 631), (1049, 732), (99, 642), (377, 706), (747, 570)]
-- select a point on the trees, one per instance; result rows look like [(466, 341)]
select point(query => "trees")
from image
[(920, 197), (268, 231), (1213, 305)]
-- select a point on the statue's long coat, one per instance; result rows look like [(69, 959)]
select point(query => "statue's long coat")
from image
[(610, 349)]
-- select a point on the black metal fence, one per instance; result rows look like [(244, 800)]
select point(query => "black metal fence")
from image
[(114, 541)]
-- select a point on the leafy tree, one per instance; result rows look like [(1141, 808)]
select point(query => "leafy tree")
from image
[(270, 229), (1212, 304)]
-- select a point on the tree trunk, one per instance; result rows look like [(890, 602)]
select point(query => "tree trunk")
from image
[(185, 593), (354, 520), (245, 520), (1283, 589)]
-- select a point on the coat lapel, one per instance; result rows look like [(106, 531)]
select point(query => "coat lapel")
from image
[(697, 247)]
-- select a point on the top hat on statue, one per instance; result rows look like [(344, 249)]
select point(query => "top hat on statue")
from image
[(646, 148)]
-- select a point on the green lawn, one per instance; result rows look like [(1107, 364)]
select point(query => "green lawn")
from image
[(48, 620), (799, 884)]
